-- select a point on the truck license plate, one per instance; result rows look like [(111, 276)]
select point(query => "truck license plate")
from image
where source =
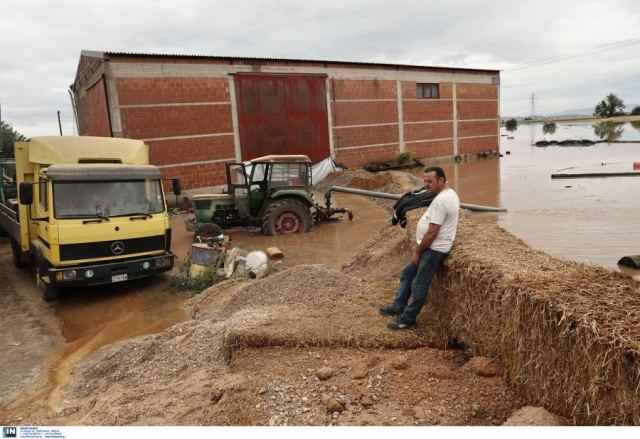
[(119, 277)]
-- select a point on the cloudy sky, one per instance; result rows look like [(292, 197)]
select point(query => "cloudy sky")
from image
[(588, 48)]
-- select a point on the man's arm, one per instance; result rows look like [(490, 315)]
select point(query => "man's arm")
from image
[(427, 239)]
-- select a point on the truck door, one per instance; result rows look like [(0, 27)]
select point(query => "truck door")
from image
[(41, 210), (238, 188)]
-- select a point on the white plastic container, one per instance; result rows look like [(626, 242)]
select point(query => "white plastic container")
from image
[(257, 263)]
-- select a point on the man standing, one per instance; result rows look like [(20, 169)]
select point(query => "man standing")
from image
[(435, 233)]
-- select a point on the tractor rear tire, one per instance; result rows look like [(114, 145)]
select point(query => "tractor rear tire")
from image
[(206, 232), (286, 216)]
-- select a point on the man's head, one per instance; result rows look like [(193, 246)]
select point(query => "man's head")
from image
[(434, 180)]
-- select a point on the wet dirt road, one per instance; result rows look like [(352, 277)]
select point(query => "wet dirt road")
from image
[(44, 340)]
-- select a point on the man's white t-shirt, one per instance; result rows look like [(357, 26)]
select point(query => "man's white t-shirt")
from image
[(443, 211)]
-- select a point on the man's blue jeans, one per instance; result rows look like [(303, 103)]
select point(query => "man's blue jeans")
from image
[(414, 283)]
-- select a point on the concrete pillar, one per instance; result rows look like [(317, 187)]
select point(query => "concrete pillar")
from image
[(113, 102), (400, 115), (455, 119), (328, 91), (234, 117)]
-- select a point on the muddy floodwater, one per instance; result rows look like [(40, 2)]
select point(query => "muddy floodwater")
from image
[(331, 243), (592, 220)]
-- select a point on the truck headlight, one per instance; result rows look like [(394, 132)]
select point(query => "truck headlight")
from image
[(89, 274), (69, 274), (146, 265)]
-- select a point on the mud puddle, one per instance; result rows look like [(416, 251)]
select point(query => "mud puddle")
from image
[(107, 314), (331, 243)]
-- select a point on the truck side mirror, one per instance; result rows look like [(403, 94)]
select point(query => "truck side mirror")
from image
[(176, 186), (26, 193)]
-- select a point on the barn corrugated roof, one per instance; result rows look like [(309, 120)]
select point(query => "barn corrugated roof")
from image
[(285, 60)]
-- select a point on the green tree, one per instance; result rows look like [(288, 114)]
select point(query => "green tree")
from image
[(511, 125), (9, 136), (612, 105), (636, 111)]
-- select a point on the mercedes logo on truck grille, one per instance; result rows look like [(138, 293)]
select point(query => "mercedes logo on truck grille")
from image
[(117, 248)]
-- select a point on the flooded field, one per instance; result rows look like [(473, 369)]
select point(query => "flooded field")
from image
[(590, 220)]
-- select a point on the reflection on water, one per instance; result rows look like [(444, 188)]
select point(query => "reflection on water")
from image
[(549, 127), (608, 131)]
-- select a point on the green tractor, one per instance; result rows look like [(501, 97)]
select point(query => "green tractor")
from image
[(272, 193)]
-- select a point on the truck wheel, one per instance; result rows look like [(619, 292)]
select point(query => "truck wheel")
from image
[(49, 292), (206, 232), (17, 254), (286, 216)]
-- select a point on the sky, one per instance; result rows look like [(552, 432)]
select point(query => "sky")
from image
[(41, 41)]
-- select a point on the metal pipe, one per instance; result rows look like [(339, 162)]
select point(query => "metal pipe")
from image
[(596, 175), (348, 190)]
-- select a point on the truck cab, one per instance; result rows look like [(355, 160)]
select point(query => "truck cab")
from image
[(92, 211)]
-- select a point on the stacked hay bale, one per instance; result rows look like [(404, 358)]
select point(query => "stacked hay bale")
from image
[(567, 334)]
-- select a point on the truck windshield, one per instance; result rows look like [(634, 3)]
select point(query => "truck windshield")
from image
[(81, 199)]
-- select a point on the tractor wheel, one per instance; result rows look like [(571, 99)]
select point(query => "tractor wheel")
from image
[(286, 216), (207, 232), (49, 292), (17, 254)]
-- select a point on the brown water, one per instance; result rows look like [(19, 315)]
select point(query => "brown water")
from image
[(589, 220), (106, 314), (331, 243)]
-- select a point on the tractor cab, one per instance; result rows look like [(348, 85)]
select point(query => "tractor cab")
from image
[(271, 192), (267, 178)]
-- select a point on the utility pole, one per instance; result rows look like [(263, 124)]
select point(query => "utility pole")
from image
[(59, 123), (533, 105)]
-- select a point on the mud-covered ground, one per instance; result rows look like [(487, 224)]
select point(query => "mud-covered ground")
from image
[(304, 346)]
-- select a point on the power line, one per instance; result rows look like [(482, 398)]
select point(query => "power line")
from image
[(559, 58)]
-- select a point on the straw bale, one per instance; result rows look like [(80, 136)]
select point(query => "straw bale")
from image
[(566, 334)]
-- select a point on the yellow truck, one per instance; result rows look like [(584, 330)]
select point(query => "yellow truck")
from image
[(90, 210)]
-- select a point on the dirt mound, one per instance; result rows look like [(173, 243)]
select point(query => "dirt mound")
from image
[(312, 285), (175, 377)]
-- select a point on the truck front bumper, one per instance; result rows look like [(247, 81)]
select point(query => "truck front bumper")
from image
[(111, 272)]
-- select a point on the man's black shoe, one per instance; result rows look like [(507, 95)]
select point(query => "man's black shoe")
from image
[(390, 311), (400, 325)]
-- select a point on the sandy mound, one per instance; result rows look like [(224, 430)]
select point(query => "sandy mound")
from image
[(312, 285)]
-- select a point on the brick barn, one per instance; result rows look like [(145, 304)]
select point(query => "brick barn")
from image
[(198, 112)]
